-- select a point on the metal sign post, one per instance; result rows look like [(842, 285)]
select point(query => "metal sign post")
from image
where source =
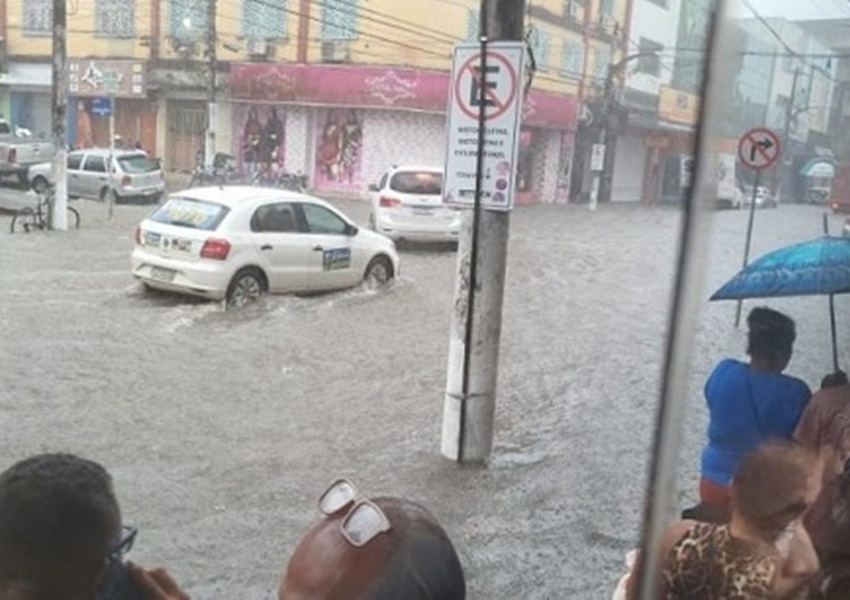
[(758, 149)]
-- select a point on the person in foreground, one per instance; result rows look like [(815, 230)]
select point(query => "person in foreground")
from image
[(379, 549), (764, 552), (61, 536), (750, 403)]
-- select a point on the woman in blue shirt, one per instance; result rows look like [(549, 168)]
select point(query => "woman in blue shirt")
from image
[(750, 403)]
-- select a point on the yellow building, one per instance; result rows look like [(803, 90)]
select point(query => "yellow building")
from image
[(374, 73)]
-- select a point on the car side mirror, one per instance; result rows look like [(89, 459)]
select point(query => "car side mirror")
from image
[(373, 187), (351, 230)]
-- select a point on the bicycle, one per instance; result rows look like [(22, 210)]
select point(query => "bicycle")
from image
[(41, 215)]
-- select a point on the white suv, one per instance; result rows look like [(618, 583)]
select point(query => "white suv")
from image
[(407, 204), (134, 176)]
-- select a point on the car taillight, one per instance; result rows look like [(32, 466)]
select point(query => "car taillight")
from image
[(216, 249), (13, 155), (137, 235), (388, 202), (125, 181)]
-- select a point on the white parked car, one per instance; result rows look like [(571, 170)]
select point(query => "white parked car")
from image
[(235, 243), (134, 176), (407, 204)]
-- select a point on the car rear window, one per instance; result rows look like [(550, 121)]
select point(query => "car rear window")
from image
[(417, 182), (138, 163), (186, 212)]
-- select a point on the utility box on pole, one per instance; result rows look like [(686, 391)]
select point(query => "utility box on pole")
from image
[(470, 398)]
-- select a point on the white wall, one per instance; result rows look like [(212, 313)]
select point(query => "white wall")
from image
[(661, 25)]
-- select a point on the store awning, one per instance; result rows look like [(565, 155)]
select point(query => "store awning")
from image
[(818, 167), (28, 75)]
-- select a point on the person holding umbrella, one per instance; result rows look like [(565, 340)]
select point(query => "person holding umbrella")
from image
[(749, 403)]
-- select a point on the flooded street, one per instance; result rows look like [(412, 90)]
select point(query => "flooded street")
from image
[(221, 429)]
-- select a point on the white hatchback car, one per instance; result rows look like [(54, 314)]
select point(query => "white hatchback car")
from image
[(407, 204), (235, 243)]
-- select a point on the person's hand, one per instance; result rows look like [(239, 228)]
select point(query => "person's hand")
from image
[(157, 583)]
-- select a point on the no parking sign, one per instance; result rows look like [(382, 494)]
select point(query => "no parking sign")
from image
[(498, 92)]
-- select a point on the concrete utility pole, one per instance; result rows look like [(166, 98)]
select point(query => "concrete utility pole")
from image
[(786, 134), (470, 400), (59, 99), (212, 66)]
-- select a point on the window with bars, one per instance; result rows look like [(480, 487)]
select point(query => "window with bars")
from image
[(601, 62), (338, 20), (473, 23), (187, 19), (539, 42), (572, 59), (649, 61), (264, 19), (115, 18), (38, 16)]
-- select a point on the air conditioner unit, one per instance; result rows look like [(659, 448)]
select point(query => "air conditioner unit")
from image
[(258, 47), (334, 52)]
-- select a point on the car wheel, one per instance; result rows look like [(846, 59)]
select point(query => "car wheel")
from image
[(379, 272), (39, 185), (245, 287)]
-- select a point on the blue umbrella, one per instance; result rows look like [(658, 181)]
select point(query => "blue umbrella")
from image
[(817, 267)]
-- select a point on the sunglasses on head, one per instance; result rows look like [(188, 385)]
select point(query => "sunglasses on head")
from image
[(363, 521)]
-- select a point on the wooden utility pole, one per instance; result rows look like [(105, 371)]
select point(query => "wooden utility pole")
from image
[(212, 67), (470, 400), (59, 100)]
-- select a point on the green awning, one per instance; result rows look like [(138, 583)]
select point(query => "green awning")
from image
[(819, 167)]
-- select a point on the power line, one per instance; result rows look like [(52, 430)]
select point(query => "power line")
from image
[(785, 45)]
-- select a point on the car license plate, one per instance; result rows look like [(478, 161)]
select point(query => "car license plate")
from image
[(160, 274), (425, 211)]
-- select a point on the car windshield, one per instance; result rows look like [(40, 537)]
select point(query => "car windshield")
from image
[(138, 163), (187, 212), (417, 182)]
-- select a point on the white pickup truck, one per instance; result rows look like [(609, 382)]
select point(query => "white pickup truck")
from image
[(19, 150)]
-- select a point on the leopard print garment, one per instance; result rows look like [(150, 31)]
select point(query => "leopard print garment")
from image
[(709, 564)]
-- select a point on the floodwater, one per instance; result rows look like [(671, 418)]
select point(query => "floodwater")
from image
[(222, 428)]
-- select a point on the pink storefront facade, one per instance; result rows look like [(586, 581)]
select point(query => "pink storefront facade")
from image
[(344, 126)]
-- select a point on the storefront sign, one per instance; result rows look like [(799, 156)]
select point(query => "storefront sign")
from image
[(487, 98), (122, 78), (677, 106), (376, 87)]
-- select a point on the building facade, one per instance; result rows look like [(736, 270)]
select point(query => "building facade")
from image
[(343, 88)]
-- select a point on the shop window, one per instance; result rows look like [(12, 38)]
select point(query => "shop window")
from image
[(38, 16), (188, 19), (339, 19), (572, 59), (539, 41), (264, 20), (115, 18)]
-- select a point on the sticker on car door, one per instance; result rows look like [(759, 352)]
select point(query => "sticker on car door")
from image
[(336, 259)]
